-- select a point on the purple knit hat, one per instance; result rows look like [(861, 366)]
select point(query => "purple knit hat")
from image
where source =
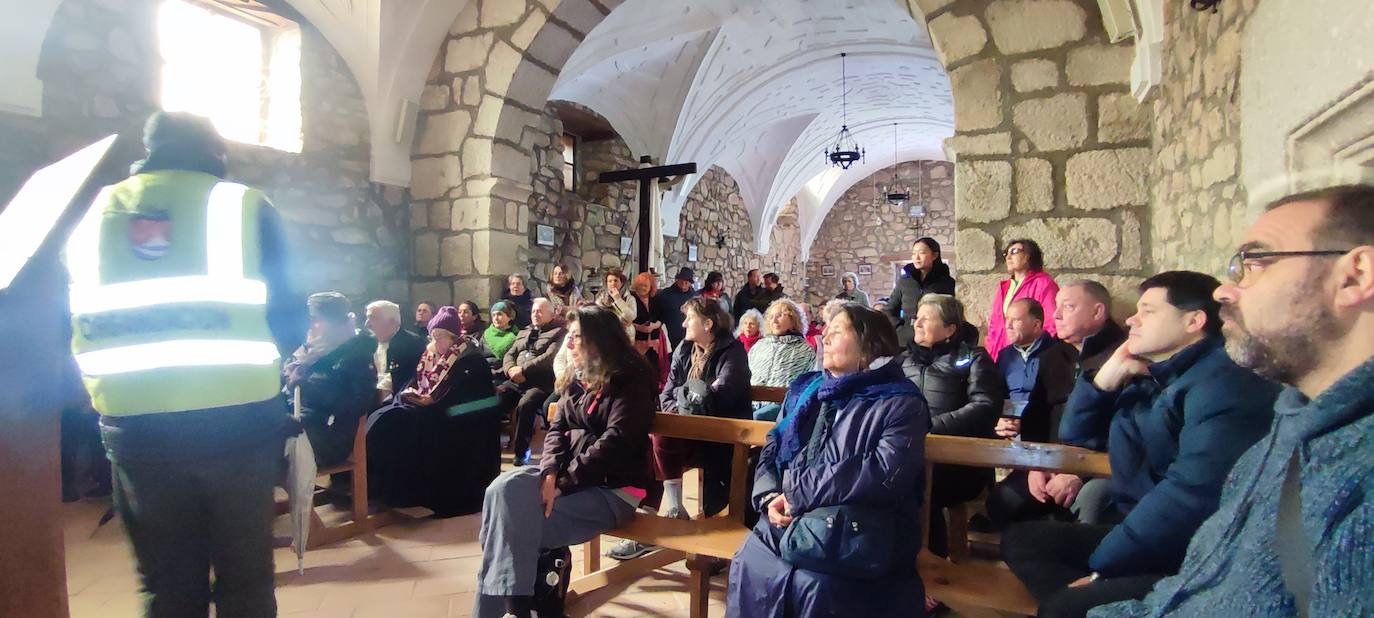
[(446, 318)]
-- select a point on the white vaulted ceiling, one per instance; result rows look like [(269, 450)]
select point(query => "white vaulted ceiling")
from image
[(753, 86)]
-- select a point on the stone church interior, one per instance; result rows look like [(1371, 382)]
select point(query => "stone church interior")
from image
[(441, 164)]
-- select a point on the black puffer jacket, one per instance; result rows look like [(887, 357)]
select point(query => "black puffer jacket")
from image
[(960, 383), (901, 305)]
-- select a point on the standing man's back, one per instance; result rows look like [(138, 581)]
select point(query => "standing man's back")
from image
[(181, 315)]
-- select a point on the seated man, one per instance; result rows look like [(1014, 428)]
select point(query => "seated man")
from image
[(336, 378), (1300, 311), (1178, 413), (529, 367), (398, 350), (1039, 370), (1082, 318)]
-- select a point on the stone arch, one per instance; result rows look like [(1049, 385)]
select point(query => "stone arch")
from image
[(1049, 143), (480, 121)]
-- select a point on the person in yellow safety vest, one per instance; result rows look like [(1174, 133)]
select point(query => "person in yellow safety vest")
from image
[(181, 314)]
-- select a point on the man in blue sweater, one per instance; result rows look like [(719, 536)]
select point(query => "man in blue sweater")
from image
[(1173, 413), (1292, 536)]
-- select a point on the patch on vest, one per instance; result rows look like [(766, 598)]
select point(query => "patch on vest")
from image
[(150, 234), (152, 320)]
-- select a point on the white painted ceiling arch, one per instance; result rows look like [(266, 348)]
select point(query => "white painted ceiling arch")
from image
[(389, 46), (754, 87)]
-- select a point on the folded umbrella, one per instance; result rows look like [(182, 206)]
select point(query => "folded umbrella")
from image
[(300, 485)]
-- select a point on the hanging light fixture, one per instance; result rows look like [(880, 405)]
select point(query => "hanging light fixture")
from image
[(897, 195), (917, 208), (846, 149)]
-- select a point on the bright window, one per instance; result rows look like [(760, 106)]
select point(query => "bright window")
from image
[(569, 162), (240, 70)]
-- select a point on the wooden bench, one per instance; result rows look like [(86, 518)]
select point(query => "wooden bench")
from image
[(698, 540), (969, 585), (360, 523)]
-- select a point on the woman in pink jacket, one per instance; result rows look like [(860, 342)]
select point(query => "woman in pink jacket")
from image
[(1026, 264)]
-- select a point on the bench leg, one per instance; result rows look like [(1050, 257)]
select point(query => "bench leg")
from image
[(591, 556), (699, 585), (957, 532)]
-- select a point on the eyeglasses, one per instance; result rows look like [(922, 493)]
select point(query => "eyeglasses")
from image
[(1245, 263), (1013, 251)]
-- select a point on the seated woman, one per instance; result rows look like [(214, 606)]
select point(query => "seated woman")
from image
[(650, 338), (965, 392), (499, 336), (470, 319), (437, 443), (595, 461), (336, 376), (709, 377), (781, 356), (850, 446), (750, 328)]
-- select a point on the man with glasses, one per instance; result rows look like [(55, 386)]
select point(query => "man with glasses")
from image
[(1173, 413), (1293, 533)]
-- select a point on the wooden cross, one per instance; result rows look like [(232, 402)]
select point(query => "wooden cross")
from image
[(646, 177)]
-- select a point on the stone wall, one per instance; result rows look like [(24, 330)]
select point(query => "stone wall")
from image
[(784, 254), (714, 218), (1197, 198), (862, 228), (99, 73), (1048, 141), (482, 118)]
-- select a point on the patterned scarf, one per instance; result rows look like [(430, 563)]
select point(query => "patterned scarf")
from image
[(434, 368), (801, 408), (697, 368)]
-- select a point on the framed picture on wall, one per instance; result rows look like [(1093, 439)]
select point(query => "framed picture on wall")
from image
[(828, 271), (691, 252), (543, 235), (625, 245), (865, 269)]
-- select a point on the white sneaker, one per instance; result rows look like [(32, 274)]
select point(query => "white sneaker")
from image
[(677, 513), (629, 550)]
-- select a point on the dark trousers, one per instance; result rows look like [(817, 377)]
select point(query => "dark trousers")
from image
[(528, 403), (83, 458), (1049, 555), (186, 518), (1011, 501), (951, 485)]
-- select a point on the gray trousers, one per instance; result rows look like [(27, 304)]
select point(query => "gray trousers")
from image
[(514, 530)]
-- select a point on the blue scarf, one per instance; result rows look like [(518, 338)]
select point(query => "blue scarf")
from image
[(802, 405)]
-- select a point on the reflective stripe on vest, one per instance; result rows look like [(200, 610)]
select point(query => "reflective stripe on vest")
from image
[(223, 283)]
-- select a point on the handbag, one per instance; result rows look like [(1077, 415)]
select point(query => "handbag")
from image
[(850, 541), (847, 540)]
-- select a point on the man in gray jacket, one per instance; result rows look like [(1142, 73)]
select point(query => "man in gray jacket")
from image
[(1292, 534), (529, 368)]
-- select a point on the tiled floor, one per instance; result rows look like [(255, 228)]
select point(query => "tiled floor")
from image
[(415, 569)]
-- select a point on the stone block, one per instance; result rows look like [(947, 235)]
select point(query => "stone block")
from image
[(930, 6), (1069, 242), (977, 95), (1034, 74), (1130, 258), (982, 191), (1221, 166), (501, 65), (553, 45), (1058, 122), (531, 86), (1104, 179), (439, 213), (977, 250), (471, 213), (426, 255), (497, 13), (435, 97), (476, 159), (419, 216), (350, 236), (1020, 26), (467, 53), (973, 145), (434, 291), (472, 91), (957, 38), (455, 255), (977, 293), (433, 177), (1120, 118), (1034, 185), (510, 163), (495, 252), (1095, 65), (444, 132), (523, 35), (488, 116)]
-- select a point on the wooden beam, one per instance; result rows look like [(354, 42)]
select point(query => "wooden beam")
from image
[(986, 453), (622, 572), (712, 429), (648, 173)]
